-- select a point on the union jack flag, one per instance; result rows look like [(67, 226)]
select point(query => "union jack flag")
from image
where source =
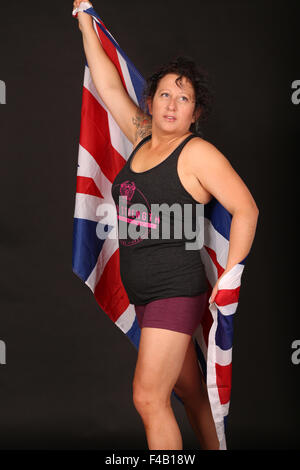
[(103, 151)]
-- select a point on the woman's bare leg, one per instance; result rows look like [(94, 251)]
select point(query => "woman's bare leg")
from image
[(191, 387), (160, 359)]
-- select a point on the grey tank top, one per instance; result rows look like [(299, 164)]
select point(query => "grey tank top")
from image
[(154, 261)]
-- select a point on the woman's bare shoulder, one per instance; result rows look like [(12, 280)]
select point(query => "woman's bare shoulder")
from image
[(201, 150)]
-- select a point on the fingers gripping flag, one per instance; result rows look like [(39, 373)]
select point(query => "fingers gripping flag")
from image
[(103, 151)]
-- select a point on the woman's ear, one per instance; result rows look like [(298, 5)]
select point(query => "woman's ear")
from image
[(196, 114)]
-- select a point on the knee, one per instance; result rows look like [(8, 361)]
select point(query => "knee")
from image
[(148, 399)]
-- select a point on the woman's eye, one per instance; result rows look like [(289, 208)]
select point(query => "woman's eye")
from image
[(181, 98)]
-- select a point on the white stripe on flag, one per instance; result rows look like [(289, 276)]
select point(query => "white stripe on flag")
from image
[(227, 309), (89, 168), (127, 318), (210, 268), (223, 358), (216, 241), (232, 279), (86, 207)]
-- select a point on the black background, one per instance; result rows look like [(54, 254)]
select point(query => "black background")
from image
[(67, 381)]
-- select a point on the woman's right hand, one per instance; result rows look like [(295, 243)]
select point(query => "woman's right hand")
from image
[(84, 20)]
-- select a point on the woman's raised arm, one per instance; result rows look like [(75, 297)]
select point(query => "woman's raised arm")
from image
[(133, 122)]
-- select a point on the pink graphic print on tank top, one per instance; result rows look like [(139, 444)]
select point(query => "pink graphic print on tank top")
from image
[(129, 196)]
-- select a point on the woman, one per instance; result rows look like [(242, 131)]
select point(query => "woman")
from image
[(165, 282)]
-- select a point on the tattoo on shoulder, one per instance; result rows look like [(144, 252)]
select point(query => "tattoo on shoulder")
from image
[(143, 123)]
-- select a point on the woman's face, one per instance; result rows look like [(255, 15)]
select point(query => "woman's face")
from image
[(173, 105)]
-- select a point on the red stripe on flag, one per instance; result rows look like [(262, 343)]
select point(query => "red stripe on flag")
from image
[(227, 296), (109, 292), (102, 24), (87, 185), (94, 132), (223, 375), (213, 256)]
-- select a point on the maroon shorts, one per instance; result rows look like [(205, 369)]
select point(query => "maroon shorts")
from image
[(182, 314)]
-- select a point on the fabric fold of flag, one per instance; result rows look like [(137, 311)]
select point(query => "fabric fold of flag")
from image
[(103, 151)]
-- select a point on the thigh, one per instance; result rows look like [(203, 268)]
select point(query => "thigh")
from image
[(190, 381), (160, 358), (182, 314)]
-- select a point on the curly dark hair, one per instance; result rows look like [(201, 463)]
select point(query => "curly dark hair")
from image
[(186, 67)]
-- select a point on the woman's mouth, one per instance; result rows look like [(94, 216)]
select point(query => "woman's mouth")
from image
[(170, 118)]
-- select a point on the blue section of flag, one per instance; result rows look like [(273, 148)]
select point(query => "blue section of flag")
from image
[(224, 332), (134, 333), (220, 219), (86, 247), (138, 86)]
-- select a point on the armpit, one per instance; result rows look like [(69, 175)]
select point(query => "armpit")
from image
[(143, 123)]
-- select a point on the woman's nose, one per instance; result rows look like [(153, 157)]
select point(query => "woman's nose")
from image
[(172, 103)]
